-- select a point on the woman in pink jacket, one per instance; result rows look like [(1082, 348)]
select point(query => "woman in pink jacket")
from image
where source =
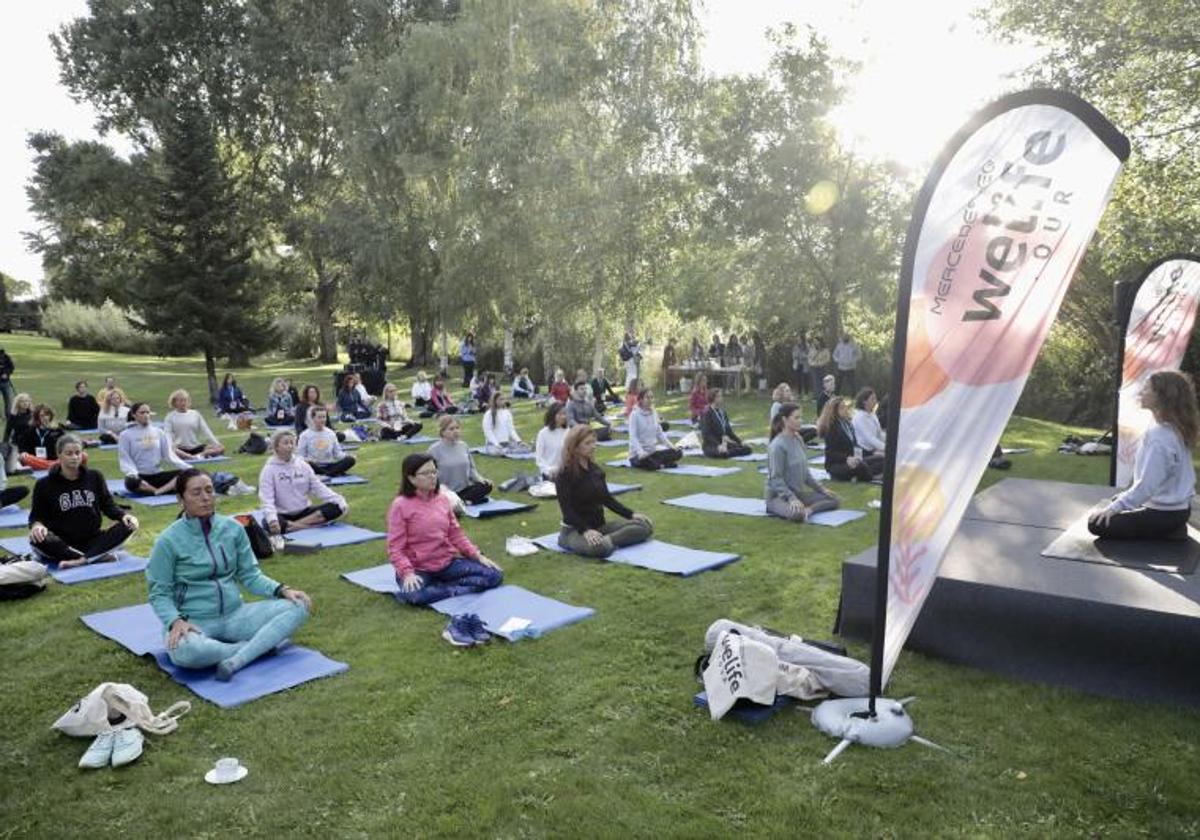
[(284, 487), (428, 549)]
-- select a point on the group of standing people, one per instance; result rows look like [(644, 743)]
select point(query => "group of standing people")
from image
[(813, 361)]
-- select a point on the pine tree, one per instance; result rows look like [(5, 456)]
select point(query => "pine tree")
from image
[(198, 290)]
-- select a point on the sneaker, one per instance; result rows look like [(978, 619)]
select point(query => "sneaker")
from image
[(278, 543), (478, 632), (99, 754), (458, 632), (241, 489), (127, 746)]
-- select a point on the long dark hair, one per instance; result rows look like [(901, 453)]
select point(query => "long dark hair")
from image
[(860, 399), (1177, 403), (181, 480), (550, 418), (785, 411), (409, 468)]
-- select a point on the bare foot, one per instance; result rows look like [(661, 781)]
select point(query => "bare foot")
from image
[(71, 564)]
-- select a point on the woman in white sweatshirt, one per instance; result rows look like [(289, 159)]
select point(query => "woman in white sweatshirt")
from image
[(185, 428), (549, 443), (867, 429), (498, 429)]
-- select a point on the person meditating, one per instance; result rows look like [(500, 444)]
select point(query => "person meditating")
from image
[(582, 496), (844, 458), (499, 431), (82, 408), (230, 399), (281, 405), (114, 417), (185, 428), (791, 491), (431, 555), (197, 569), (318, 444), (142, 450), (550, 439), (867, 429), (583, 410), (393, 419), (717, 437), (284, 487), (455, 464), (66, 517), (350, 403), (649, 446), (1158, 503), (37, 441)]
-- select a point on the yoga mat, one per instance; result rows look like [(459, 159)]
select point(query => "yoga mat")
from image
[(125, 564), (742, 506), (754, 441), (617, 489), (116, 486), (495, 607), (656, 555), (516, 456), (819, 473), (107, 446), (83, 431), (213, 460), (334, 481), (1020, 450), (14, 517), (612, 443), (138, 629), (18, 546), (334, 534), (684, 469), (753, 456), (413, 439), (36, 474), (496, 507), (1077, 543)]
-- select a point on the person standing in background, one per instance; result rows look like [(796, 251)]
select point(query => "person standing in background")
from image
[(6, 387), (818, 362), (846, 355), (466, 353), (631, 355), (800, 365), (670, 360)]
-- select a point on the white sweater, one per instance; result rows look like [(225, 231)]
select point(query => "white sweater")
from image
[(142, 449), (548, 450), (1163, 475), (503, 432), (319, 447), (645, 433), (185, 428), (422, 390), (867, 430)]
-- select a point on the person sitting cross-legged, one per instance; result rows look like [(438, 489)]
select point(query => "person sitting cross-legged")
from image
[(393, 419), (550, 439), (82, 408), (285, 485), (114, 417), (499, 431), (523, 387), (431, 555), (350, 403), (142, 449), (582, 496), (198, 598), (791, 491), (717, 437), (281, 406), (845, 459), (66, 516), (649, 446), (319, 445), (38, 440), (581, 410), (455, 464), (185, 427), (230, 399)]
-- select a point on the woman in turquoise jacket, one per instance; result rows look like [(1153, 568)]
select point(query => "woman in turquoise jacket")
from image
[(195, 570)]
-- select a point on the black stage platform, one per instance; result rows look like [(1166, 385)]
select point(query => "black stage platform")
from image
[(1001, 606)]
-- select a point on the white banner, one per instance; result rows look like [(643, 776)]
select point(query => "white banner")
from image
[(999, 228), (1160, 327)]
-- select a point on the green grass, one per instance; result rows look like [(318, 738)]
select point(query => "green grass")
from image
[(589, 731)]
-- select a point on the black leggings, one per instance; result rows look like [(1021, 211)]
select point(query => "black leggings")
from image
[(54, 549), (156, 480), (407, 430), (657, 460), (333, 467), (732, 450), (475, 492), (1142, 524), (12, 495), (329, 511)]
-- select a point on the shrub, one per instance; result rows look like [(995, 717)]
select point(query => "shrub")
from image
[(298, 335), (107, 327)]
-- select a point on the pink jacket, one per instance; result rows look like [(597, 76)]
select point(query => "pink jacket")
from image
[(698, 403), (286, 485), (424, 535)]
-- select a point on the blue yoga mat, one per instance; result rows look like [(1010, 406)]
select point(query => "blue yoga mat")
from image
[(105, 447), (515, 456), (13, 517), (818, 473), (496, 507), (753, 456), (138, 629), (84, 431), (334, 481), (685, 469), (36, 474), (618, 489), (495, 607), (716, 503), (658, 556), (15, 545), (335, 534), (613, 443), (750, 712), (125, 564), (414, 439)]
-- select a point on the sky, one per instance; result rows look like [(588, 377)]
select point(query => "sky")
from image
[(926, 67)]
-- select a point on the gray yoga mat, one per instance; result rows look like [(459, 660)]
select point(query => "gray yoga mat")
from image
[(1077, 543)]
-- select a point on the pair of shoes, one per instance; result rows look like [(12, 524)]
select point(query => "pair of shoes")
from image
[(117, 748), (465, 631), (241, 489)]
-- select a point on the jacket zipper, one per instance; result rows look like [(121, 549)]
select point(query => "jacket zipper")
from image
[(215, 580)]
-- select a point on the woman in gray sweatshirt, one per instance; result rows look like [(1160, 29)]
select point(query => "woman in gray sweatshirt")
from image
[(791, 492), (456, 467)]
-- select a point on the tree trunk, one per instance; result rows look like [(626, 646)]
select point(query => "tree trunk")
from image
[(210, 368), (508, 351), (422, 341), (239, 358), (444, 363), (598, 342), (325, 297)]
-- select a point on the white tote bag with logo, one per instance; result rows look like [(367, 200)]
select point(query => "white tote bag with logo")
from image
[(111, 706)]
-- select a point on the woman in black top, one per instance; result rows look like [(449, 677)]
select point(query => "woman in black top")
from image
[(38, 441), (717, 438), (82, 409), (844, 459), (65, 519), (583, 495)]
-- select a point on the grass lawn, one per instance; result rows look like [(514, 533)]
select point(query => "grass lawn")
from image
[(589, 731)]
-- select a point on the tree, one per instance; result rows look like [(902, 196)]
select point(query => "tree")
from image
[(198, 289)]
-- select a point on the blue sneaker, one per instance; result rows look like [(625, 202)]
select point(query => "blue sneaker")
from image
[(458, 632), (478, 632)]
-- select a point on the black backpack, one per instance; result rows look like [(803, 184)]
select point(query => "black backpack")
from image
[(260, 540), (256, 444)]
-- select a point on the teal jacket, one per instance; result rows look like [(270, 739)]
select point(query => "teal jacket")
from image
[(194, 575)]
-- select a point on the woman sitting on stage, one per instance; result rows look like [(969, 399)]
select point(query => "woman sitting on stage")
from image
[(844, 458), (1158, 503), (582, 496)]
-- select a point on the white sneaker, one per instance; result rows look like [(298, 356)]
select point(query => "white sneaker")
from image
[(99, 754), (278, 544), (241, 489)]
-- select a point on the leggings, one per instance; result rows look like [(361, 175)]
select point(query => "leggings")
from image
[(329, 511), (657, 460), (159, 479), (241, 636), (617, 534), (1142, 524), (54, 549), (475, 492), (460, 577), (406, 430), (340, 467), (733, 450), (814, 501), (12, 495)]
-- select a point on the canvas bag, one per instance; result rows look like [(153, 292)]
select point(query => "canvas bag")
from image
[(112, 706), (739, 668), (836, 674), (21, 579)]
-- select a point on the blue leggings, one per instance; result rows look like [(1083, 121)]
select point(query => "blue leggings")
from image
[(241, 636), (461, 577)]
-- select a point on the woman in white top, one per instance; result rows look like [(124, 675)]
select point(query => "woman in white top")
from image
[(1158, 503), (185, 428), (114, 416), (649, 446), (498, 429), (393, 419), (867, 430), (318, 444), (142, 449), (421, 389), (549, 444)]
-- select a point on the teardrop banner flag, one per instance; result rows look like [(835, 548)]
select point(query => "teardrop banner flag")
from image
[(1159, 329), (998, 230)]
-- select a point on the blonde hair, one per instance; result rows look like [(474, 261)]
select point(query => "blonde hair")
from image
[(781, 391), (179, 393), (276, 382), (829, 415), (22, 398), (444, 423), (279, 435), (576, 435)]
